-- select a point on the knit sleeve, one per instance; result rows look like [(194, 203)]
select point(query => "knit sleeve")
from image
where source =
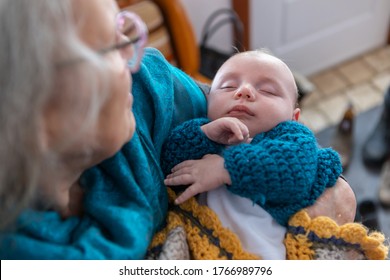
[(278, 170), (187, 141)]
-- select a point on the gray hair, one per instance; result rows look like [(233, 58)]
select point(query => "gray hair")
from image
[(35, 36)]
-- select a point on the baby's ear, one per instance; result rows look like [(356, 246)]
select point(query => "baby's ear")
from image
[(296, 114)]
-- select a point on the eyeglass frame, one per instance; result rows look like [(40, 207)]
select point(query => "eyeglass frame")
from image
[(140, 40)]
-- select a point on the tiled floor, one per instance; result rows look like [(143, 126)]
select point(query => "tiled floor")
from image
[(365, 181), (361, 81)]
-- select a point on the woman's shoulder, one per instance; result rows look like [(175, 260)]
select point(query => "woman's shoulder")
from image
[(153, 54), (152, 51)]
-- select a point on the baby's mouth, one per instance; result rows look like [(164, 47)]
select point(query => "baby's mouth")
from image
[(240, 109)]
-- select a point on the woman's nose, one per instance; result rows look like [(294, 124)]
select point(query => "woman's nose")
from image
[(245, 92)]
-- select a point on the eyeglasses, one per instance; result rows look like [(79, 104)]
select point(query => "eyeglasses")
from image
[(131, 37)]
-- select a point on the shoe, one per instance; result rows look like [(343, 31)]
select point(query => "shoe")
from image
[(384, 187), (376, 148), (304, 85), (367, 214), (343, 138)]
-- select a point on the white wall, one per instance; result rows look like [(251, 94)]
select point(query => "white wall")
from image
[(310, 35), (313, 35), (198, 11)]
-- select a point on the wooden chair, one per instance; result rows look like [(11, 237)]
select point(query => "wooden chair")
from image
[(170, 31)]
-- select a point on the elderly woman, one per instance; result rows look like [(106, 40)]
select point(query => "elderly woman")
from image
[(72, 184)]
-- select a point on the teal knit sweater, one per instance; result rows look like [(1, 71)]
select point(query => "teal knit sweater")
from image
[(282, 170)]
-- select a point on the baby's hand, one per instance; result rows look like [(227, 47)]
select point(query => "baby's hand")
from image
[(200, 175), (227, 131)]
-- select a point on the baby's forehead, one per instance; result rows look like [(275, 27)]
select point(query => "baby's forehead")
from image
[(258, 56), (271, 69), (262, 63)]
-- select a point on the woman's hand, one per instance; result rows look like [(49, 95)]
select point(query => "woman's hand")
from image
[(201, 175), (337, 202)]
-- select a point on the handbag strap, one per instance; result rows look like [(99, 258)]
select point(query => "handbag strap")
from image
[(212, 24)]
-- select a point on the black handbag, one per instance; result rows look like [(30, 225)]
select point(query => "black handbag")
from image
[(212, 59)]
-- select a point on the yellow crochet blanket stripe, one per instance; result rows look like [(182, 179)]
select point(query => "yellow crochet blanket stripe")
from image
[(304, 233), (207, 239)]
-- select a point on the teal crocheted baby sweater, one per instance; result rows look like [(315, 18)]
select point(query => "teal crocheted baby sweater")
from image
[(282, 170)]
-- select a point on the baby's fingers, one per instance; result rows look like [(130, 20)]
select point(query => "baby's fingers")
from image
[(240, 133), (178, 172), (186, 163), (183, 179), (244, 130), (187, 194), (237, 135)]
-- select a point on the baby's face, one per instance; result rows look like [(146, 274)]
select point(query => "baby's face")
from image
[(256, 88)]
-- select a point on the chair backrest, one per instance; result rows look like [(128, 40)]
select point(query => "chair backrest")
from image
[(170, 31)]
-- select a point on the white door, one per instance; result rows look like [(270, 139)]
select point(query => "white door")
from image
[(311, 35)]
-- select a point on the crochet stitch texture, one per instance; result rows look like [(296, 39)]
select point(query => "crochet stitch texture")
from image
[(307, 239), (187, 141), (282, 170)]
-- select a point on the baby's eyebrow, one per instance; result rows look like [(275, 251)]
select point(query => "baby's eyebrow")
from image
[(267, 79), (229, 75), (270, 80), (276, 84)]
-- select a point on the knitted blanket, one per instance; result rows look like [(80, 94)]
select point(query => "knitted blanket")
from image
[(193, 231)]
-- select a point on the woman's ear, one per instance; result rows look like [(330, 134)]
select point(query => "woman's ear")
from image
[(296, 114)]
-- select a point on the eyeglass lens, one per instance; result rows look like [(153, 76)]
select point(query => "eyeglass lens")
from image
[(133, 30)]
